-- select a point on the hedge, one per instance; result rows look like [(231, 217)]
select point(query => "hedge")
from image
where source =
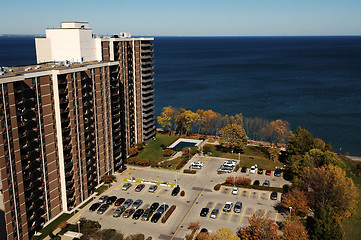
[(181, 163), (217, 187), (190, 171), (168, 213)]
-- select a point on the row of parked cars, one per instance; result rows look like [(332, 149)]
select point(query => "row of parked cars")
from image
[(227, 166), (196, 165), (260, 171), (128, 208), (152, 188), (227, 208)]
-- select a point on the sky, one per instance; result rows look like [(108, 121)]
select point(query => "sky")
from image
[(187, 17)]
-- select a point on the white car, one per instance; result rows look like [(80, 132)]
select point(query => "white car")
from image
[(198, 163), (230, 163), (195, 166), (235, 191), (253, 169)]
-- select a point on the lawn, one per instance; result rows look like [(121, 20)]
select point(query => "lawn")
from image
[(154, 151), (252, 155), (352, 225)]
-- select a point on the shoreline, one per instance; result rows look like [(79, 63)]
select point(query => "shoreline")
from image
[(354, 158)]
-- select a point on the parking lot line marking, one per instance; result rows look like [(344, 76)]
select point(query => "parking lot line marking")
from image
[(76, 218), (255, 210), (249, 194), (276, 217), (219, 215), (244, 209), (205, 204), (188, 213), (259, 195), (230, 217), (265, 212)]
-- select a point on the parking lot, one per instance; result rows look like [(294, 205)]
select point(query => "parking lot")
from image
[(199, 193)]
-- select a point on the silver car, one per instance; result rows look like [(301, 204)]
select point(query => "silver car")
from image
[(214, 213), (153, 188), (137, 204), (127, 203), (118, 212), (103, 198)]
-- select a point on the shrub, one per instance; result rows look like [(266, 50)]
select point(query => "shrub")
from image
[(243, 181), (154, 163), (168, 213), (182, 193), (217, 187), (207, 149), (108, 178), (165, 164), (139, 146), (167, 152), (133, 151), (189, 151), (190, 171), (138, 161)]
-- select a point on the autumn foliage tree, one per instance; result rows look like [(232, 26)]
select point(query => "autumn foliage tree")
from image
[(294, 230), (331, 189), (232, 136), (296, 199), (260, 227), (278, 131), (168, 117), (223, 234)]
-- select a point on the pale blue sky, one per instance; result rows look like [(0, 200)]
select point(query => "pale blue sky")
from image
[(187, 17)]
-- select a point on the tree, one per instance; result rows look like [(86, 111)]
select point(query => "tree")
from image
[(136, 237), (190, 119), (274, 153), (232, 136), (255, 128), (108, 234), (318, 158), (300, 142), (294, 230), (327, 225), (296, 199), (194, 226), (331, 190), (260, 227), (279, 131), (133, 151), (209, 121), (223, 234), (168, 117)]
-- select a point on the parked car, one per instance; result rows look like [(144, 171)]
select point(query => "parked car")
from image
[(274, 196), (204, 212), (118, 212), (195, 166), (256, 183), (139, 187), (119, 201), (147, 213), (268, 172), (126, 186), (175, 190), (235, 191), (266, 183), (227, 207), (137, 204), (127, 203), (244, 169), (154, 206), (198, 163), (224, 169), (156, 217), (214, 213), (152, 188), (103, 208), (229, 163), (237, 207), (128, 213), (111, 199), (103, 199), (94, 207), (137, 214), (260, 171), (278, 172), (253, 169), (162, 208)]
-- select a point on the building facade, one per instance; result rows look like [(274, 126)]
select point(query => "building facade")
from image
[(69, 120)]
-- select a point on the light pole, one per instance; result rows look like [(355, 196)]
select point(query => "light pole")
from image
[(189, 153), (78, 222), (290, 210), (239, 156), (234, 178)]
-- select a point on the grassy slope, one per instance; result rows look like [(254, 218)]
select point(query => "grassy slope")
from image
[(352, 225), (153, 151), (257, 157)]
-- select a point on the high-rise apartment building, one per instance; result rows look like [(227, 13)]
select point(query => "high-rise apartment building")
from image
[(69, 120)]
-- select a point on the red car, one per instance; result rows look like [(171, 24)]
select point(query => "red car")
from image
[(119, 201), (268, 172)]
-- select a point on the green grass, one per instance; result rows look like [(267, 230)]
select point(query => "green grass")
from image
[(153, 151), (252, 155), (352, 225), (101, 189), (53, 225)]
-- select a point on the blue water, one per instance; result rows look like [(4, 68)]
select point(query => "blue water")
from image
[(314, 82)]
